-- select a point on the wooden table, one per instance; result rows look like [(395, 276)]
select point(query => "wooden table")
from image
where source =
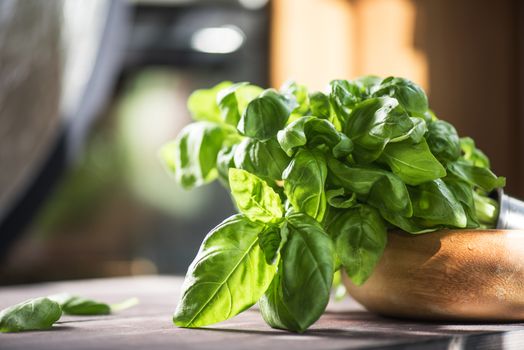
[(345, 325)]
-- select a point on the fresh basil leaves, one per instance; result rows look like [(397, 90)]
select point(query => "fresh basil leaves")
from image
[(318, 179), (41, 313)]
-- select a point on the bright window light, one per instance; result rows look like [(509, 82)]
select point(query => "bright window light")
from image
[(222, 40)]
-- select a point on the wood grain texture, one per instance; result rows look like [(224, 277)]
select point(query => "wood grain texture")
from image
[(345, 325), (475, 275)]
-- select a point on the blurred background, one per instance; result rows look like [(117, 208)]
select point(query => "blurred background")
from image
[(89, 90)]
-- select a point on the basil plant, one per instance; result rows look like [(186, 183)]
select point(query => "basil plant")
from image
[(319, 178)]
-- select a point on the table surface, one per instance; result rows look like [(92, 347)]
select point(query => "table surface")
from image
[(345, 325)]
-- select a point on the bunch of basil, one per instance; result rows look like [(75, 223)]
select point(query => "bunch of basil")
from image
[(319, 179)]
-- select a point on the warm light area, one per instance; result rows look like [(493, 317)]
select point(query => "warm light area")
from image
[(330, 39)]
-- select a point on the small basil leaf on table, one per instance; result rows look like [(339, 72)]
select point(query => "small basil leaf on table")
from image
[(360, 238), (412, 163), (30, 315), (77, 305), (193, 155), (476, 176), (265, 115), (202, 103), (410, 96), (300, 292), (254, 198), (434, 204), (229, 274), (313, 132), (378, 187), (264, 158), (304, 181), (443, 141), (233, 100)]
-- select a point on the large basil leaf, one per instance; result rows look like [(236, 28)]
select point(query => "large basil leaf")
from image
[(203, 103), (434, 204), (373, 124), (410, 96), (360, 238), (304, 181), (264, 158), (300, 292), (229, 274), (265, 115), (193, 154), (443, 141), (413, 163), (30, 315), (254, 198), (314, 132), (477, 176), (233, 100), (378, 187)]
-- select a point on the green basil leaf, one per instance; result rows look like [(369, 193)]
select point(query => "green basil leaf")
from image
[(300, 292), (233, 100), (225, 161), (411, 224), (304, 181), (30, 315), (472, 154), (464, 194), (319, 105), (76, 305), (264, 158), (314, 132), (434, 204), (443, 141), (374, 123), (338, 198), (410, 96), (413, 163), (203, 103), (367, 83), (344, 95), (298, 93), (254, 198), (229, 274), (476, 176), (193, 154), (361, 237), (265, 115), (271, 241), (377, 187)]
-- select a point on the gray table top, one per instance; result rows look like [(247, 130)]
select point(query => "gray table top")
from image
[(345, 325)]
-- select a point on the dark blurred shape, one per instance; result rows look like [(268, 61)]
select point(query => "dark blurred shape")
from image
[(58, 62)]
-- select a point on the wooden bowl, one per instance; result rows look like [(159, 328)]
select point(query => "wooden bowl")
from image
[(469, 275)]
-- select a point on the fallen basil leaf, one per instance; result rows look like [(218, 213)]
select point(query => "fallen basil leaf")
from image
[(30, 315), (77, 305)]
